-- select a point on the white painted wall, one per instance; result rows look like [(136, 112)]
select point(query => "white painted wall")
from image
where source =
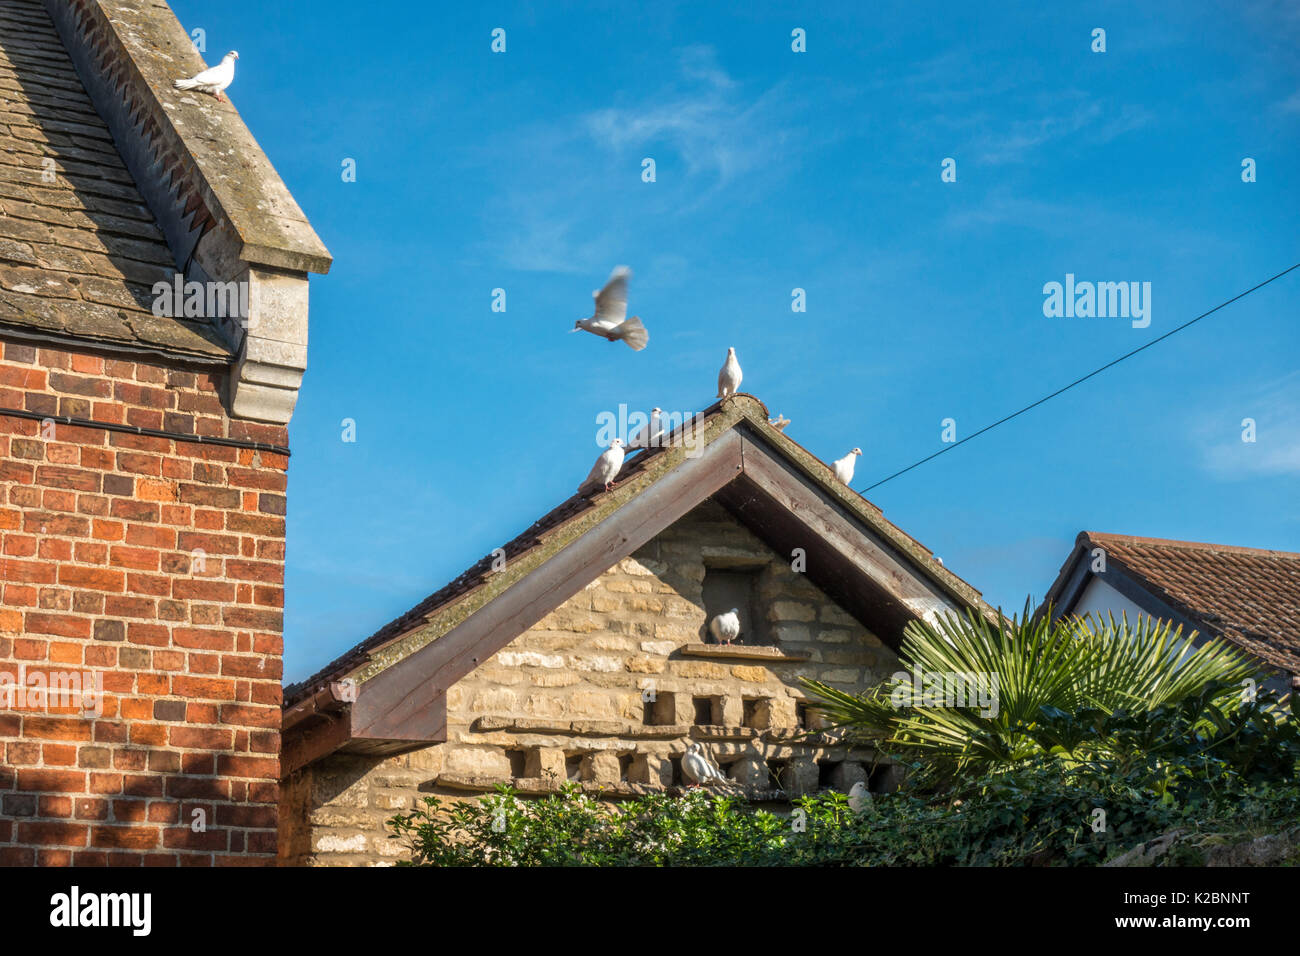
[(1098, 597)]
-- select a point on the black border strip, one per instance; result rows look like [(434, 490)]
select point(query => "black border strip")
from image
[(149, 432)]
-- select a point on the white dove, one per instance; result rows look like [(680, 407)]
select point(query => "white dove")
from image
[(697, 766), (212, 80), (730, 376), (844, 466), (779, 422), (859, 797), (611, 321), (606, 467), (725, 628), (649, 436)]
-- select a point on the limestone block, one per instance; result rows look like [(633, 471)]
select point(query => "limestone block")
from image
[(382, 846), (652, 769), (753, 674), (553, 679), (606, 603), (336, 789), (776, 713), (750, 771), (494, 700), (677, 632), (391, 776), (683, 709), (609, 642), (632, 628), (586, 703), (642, 566), (523, 658), (663, 648), (541, 705), (390, 799), (428, 759), (799, 776), (835, 635), (791, 611), (701, 669), (642, 664), (830, 613), (477, 760), (326, 841), (647, 603), (497, 675), (844, 776), (545, 762), (601, 766), (787, 633), (602, 664), (733, 711), (327, 818)]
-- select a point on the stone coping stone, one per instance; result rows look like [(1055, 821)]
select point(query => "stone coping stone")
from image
[(743, 652)]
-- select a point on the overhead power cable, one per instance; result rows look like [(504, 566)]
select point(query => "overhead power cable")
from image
[(1080, 380)]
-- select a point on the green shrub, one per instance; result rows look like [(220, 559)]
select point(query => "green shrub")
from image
[(1037, 813)]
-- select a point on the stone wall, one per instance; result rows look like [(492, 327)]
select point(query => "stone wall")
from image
[(609, 689)]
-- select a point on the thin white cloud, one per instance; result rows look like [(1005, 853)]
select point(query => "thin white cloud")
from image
[(700, 125), (1275, 409)]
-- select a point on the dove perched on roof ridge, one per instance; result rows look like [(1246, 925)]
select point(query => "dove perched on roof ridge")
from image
[(779, 422), (730, 376), (843, 467), (725, 627), (606, 468), (649, 436), (212, 80), (610, 319)]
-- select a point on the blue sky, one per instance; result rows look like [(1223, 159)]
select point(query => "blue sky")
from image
[(776, 170)]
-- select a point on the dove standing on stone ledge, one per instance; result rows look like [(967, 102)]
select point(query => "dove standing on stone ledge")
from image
[(730, 376), (700, 769), (725, 628), (212, 80), (859, 797), (611, 321), (844, 466), (605, 469)]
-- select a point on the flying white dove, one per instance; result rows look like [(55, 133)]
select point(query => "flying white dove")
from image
[(725, 628), (700, 769), (611, 321), (730, 376), (649, 436), (859, 797), (212, 80), (844, 466), (779, 422), (605, 469)]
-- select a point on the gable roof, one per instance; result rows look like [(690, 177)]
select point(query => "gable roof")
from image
[(144, 182), (1249, 596), (767, 481), (79, 248)]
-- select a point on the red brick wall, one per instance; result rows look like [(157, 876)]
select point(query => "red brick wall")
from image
[(100, 534)]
